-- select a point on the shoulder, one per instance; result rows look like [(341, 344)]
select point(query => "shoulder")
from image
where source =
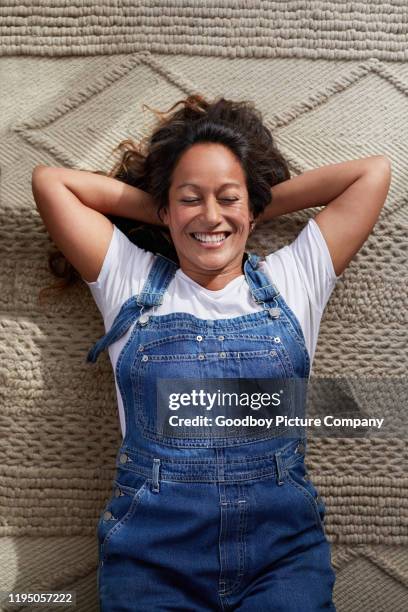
[(124, 271), (305, 264), (309, 247), (124, 256)]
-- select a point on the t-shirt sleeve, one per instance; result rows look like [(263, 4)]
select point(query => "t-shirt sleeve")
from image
[(314, 263), (123, 274)]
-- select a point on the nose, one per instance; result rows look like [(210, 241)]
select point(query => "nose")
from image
[(212, 212)]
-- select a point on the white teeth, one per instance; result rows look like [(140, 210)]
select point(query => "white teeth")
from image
[(210, 237)]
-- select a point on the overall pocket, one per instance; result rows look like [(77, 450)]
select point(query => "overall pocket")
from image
[(119, 509), (196, 357), (297, 476)]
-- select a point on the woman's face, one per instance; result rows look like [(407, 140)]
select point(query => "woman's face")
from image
[(208, 214)]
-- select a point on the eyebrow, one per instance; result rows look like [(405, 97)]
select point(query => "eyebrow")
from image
[(194, 185)]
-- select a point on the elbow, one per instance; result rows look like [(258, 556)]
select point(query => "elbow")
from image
[(384, 161), (39, 166), (38, 175), (39, 169), (39, 179)]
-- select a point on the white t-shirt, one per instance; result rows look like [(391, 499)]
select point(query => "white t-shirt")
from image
[(302, 272)]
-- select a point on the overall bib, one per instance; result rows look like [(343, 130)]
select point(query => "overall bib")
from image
[(200, 523)]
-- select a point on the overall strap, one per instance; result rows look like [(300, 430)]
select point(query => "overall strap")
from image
[(159, 277), (263, 290)]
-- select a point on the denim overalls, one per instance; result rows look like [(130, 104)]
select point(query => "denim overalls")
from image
[(206, 524)]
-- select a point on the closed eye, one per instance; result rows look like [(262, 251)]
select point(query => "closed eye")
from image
[(222, 200)]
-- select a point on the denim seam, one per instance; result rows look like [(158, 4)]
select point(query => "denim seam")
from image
[(295, 330), (293, 457), (128, 489), (242, 548), (221, 579), (196, 443), (209, 354), (285, 360), (189, 335), (241, 562), (258, 473), (119, 378), (191, 321), (119, 524), (244, 478), (310, 499), (136, 377)]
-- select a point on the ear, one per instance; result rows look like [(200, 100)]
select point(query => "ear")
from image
[(252, 222), (164, 214)]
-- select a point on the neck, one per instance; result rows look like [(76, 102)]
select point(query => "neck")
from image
[(212, 280)]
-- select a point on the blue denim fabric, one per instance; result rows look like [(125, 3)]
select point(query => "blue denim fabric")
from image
[(209, 524)]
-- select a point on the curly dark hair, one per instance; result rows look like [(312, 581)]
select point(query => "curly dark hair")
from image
[(149, 165)]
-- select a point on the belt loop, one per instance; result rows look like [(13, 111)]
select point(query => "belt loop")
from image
[(155, 475), (279, 467)]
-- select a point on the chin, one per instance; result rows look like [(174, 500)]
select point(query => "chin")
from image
[(214, 261)]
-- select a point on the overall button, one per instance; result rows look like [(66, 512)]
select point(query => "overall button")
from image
[(141, 347), (272, 353), (220, 337), (201, 356), (145, 358), (199, 338), (274, 313), (222, 354), (277, 339), (107, 515), (123, 458), (143, 319), (118, 492)]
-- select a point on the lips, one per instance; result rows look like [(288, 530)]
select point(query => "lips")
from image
[(210, 237)]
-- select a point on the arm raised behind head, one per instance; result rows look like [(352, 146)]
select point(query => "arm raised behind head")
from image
[(353, 194), (73, 205)]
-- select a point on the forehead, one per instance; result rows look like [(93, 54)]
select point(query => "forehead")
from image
[(206, 164)]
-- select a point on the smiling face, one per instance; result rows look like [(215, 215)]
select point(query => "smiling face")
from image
[(208, 214)]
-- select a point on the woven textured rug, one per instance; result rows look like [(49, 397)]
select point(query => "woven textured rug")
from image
[(332, 83)]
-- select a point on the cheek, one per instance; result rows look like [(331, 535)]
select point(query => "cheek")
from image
[(181, 219), (244, 224), (177, 223), (171, 218)]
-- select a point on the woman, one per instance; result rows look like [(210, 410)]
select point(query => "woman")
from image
[(201, 519)]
